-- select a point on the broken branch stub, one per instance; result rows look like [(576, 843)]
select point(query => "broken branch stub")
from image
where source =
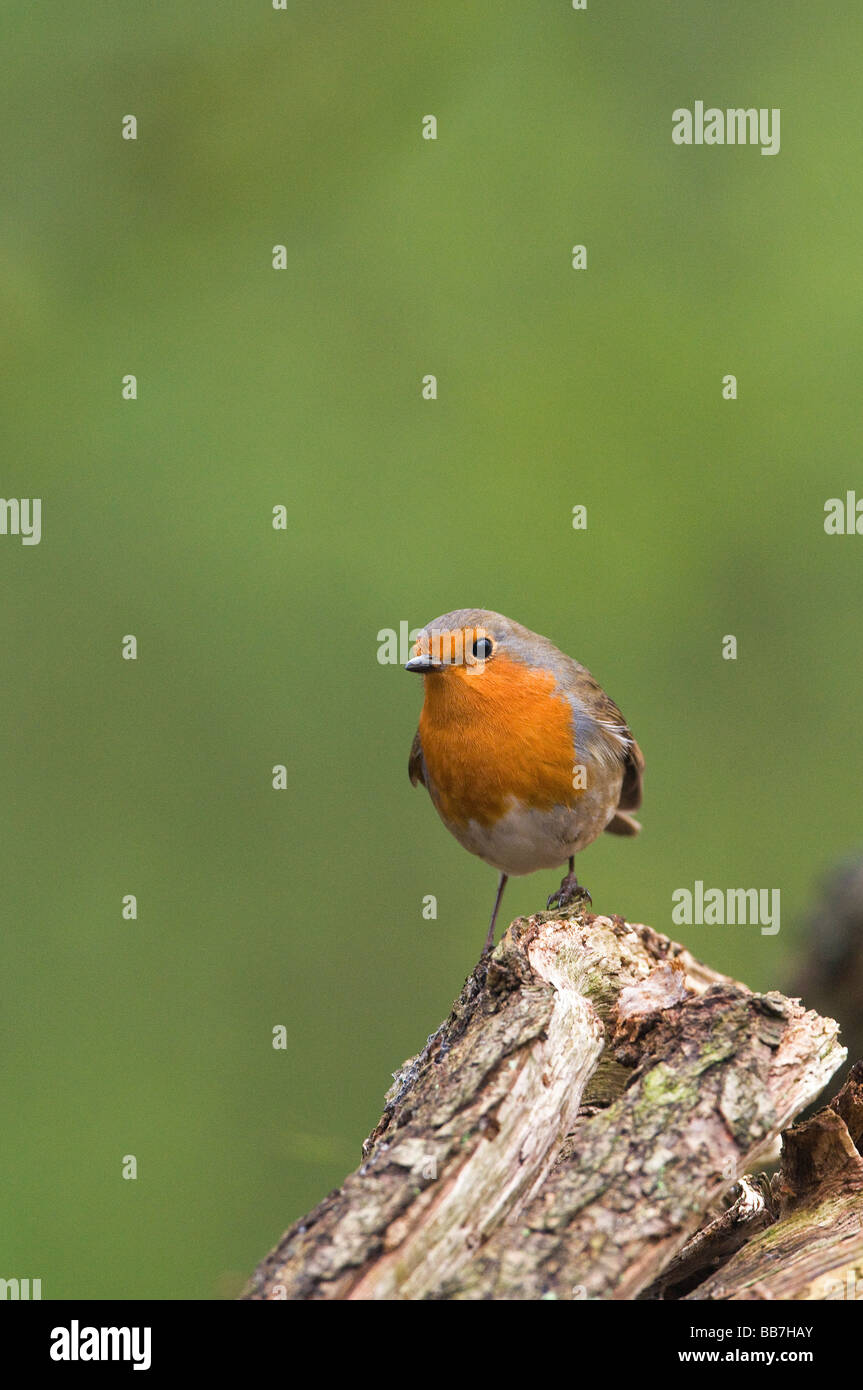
[(813, 1249)]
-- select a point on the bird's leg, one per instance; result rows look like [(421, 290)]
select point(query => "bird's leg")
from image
[(570, 890), (489, 941)]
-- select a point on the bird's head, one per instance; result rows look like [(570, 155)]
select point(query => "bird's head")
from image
[(458, 646)]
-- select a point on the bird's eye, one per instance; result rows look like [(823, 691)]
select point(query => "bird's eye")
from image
[(482, 648)]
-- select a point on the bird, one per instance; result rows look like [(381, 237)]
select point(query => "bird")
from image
[(524, 756)]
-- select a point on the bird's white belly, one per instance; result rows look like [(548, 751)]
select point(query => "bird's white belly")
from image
[(525, 839)]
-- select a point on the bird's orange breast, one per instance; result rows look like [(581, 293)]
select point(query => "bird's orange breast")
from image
[(493, 733)]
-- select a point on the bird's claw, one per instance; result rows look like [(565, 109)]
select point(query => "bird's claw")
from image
[(569, 892)]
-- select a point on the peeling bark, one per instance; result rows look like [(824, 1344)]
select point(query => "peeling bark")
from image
[(566, 1131)]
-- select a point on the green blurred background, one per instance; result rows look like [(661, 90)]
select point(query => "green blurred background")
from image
[(259, 647)]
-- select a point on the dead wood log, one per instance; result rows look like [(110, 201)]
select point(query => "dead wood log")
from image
[(566, 1131), (813, 1249)]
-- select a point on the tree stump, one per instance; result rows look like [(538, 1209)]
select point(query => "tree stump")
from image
[(579, 1128)]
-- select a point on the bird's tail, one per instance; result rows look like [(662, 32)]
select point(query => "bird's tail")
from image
[(623, 824)]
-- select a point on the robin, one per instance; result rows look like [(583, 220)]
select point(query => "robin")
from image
[(523, 754)]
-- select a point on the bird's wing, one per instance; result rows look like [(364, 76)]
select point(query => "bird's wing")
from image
[(621, 822), (633, 776), (416, 762), (600, 726)]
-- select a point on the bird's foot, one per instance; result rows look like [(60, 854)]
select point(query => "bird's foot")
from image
[(569, 892)]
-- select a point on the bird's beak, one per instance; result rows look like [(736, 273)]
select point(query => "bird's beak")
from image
[(423, 664)]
